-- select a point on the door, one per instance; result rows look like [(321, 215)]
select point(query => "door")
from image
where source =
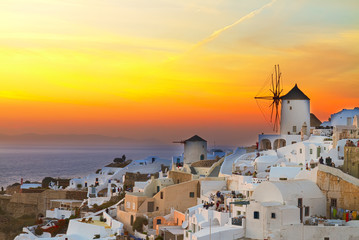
[(150, 206), (300, 205)]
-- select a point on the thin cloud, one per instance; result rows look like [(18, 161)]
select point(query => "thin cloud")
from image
[(216, 33)]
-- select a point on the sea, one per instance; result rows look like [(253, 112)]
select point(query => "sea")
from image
[(35, 162)]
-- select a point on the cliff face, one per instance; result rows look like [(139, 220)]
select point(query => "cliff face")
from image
[(22, 209)]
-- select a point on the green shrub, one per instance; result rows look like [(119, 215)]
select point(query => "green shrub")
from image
[(79, 186)]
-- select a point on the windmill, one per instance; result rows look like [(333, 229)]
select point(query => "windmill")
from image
[(271, 93)]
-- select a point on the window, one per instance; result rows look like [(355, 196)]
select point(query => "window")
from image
[(128, 205), (300, 151), (131, 219), (156, 208), (256, 215), (294, 129), (293, 142), (273, 215), (158, 188), (133, 206), (290, 108), (288, 101), (306, 211), (191, 194), (326, 238), (158, 221), (333, 202), (238, 213), (311, 151), (161, 195), (202, 156), (300, 202)]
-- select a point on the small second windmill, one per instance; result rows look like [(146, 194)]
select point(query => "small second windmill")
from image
[(271, 92)]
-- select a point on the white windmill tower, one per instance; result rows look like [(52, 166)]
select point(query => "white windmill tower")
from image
[(295, 113)]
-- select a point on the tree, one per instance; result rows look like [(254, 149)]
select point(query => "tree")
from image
[(138, 224), (46, 181)]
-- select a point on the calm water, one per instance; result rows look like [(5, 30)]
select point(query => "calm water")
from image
[(36, 162)]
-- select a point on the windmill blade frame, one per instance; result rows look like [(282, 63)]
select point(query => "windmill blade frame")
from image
[(275, 91)]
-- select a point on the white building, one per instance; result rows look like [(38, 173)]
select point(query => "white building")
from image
[(276, 205), (344, 117), (65, 210), (195, 149), (203, 224)]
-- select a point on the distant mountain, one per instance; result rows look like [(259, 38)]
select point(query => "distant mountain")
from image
[(78, 139)]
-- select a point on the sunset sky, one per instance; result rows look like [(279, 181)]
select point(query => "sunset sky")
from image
[(168, 69)]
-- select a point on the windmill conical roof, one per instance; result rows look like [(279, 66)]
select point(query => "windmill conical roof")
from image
[(195, 138), (295, 94)]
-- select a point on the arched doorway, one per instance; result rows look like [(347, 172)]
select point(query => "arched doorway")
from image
[(265, 144), (278, 143)]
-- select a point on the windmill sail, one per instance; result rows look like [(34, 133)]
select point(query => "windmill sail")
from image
[(271, 91)]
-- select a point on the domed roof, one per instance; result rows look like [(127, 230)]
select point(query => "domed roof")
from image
[(295, 94)]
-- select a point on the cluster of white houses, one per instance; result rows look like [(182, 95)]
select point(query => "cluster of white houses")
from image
[(289, 188)]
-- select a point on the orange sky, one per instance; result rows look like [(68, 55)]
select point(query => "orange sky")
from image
[(170, 69)]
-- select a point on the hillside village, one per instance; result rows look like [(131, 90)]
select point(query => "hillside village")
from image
[(302, 183)]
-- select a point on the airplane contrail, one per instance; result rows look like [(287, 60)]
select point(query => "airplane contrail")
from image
[(216, 33)]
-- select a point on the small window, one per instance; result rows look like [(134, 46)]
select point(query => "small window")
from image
[(333, 202), (300, 151), (191, 194), (290, 108), (133, 206), (325, 148), (311, 151), (294, 129), (256, 215), (273, 215), (158, 221), (161, 195), (131, 219), (288, 101), (238, 212), (156, 208), (202, 156), (306, 211), (326, 238)]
